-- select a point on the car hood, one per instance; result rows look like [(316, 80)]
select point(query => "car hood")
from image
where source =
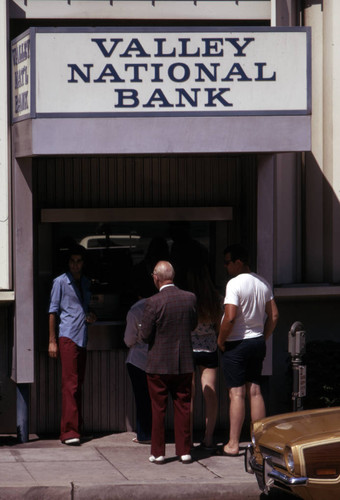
[(297, 428)]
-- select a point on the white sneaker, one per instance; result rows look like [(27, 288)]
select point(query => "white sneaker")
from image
[(157, 460), (186, 459), (72, 441)]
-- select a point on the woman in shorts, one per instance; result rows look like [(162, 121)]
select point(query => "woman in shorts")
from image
[(204, 342)]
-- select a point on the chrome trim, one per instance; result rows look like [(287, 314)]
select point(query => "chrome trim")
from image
[(250, 464), (276, 457), (266, 475), (288, 480)]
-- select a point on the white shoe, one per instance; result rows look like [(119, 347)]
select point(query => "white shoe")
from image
[(157, 460), (186, 459), (72, 441)]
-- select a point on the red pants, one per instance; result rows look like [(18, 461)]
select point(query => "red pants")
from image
[(179, 387), (73, 362)]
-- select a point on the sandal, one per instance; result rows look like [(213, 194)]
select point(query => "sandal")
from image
[(135, 440)]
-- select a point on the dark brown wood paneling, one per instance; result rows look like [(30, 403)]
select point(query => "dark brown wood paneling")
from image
[(144, 181)]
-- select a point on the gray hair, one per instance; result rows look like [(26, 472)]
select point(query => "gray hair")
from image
[(164, 271)]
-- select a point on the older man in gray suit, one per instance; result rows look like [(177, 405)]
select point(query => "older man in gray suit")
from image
[(168, 319)]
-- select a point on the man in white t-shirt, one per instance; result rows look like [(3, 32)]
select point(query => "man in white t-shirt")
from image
[(250, 316)]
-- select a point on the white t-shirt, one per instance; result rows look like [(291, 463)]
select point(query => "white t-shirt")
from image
[(250, 293)]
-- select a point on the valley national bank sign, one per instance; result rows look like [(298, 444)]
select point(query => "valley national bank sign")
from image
[(60, 72)]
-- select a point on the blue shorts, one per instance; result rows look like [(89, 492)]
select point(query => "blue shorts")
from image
[(206, 359), (242, 361)]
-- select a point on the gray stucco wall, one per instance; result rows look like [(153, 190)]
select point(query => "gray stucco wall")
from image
[(235, 134)]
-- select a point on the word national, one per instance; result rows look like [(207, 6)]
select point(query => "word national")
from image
[(171, 71)]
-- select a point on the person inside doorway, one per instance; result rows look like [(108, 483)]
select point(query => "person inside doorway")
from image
[(250, 317), (169, 318), (69, 317), (136, 364), (204, 344)]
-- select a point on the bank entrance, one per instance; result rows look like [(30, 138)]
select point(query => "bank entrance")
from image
[(115, 206)]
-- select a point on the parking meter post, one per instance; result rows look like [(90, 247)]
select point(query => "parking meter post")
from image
[(297, 400), (296, 348)]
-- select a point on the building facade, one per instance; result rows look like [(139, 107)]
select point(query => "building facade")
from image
[(190, 120)]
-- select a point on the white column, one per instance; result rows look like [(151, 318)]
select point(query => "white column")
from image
[(273, 12), (314, 181), (331, 135), (5, 281)]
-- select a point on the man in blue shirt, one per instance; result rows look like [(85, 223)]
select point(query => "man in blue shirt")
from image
[(69, 317)]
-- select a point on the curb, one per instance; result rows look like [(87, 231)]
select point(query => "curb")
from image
[(163, 491), (36, 493)]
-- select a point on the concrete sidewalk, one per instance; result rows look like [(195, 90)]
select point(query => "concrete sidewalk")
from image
[(113, 467)]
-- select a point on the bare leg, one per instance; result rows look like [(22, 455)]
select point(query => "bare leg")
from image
[(257, 406), (237, 397), (208, 381), (192, 408)]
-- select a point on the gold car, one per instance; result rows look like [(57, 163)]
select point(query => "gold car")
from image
[(297, 452)]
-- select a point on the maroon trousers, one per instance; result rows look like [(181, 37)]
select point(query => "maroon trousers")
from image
[(179, 386), (73, 362)]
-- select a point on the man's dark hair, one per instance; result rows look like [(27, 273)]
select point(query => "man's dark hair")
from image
[(237, 252), (76, 250)]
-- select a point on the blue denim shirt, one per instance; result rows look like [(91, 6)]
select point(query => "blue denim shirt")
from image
[(71, 305)]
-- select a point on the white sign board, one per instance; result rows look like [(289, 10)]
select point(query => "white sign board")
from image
[(21, 77), (168, 71)]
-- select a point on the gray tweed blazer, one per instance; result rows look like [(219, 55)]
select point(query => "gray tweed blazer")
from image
[(168, 320)]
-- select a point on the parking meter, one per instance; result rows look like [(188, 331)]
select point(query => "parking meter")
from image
[(296, 348)]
